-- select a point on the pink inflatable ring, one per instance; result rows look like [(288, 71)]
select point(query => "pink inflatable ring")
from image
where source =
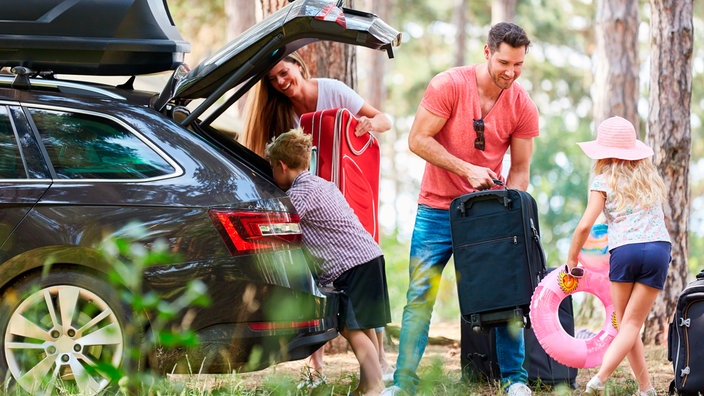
[(566, 349)]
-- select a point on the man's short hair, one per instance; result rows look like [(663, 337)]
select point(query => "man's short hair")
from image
[(292, 148), (509, 33)]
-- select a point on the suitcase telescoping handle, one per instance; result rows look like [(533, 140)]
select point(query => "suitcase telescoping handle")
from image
[(313, 167), (502, 198)]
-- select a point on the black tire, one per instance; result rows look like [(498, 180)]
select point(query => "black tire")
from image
[(41, 352)]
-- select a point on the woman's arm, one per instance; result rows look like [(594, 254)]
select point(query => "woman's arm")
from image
[(369, 119)]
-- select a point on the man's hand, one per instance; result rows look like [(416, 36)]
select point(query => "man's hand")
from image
[(479, 177)]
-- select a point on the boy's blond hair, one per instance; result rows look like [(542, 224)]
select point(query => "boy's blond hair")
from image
[(292, 148)]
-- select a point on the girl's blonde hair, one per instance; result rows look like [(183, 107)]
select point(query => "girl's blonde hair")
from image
[(634, 183), (269, 113), (292, 148)]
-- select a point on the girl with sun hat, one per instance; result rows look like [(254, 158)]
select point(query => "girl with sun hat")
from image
[(627, 188)]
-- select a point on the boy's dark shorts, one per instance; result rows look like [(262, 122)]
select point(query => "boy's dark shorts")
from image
[(645, 263), (364, 297)]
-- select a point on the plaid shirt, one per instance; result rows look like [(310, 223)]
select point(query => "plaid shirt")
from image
[(331, 231)]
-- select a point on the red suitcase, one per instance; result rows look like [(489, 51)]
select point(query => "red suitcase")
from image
[(349, 161)]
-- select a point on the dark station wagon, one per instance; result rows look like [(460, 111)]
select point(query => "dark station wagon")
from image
[(85, 162)]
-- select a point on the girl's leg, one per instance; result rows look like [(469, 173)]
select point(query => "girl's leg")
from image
[(636, 358), (385, 366), (316, 361), (370, 382), (632, 302)]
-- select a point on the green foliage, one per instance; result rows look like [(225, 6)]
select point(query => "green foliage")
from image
[(128, 258), (396, 255)]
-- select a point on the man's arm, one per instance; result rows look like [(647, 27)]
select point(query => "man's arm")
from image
[(421, 141), (519, 174)]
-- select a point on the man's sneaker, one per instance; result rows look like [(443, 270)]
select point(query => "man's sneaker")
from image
[(519, 389), (594, 387), (388, 377), (393, 391)]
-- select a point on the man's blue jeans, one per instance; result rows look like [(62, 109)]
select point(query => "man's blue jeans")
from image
[(431, 249)]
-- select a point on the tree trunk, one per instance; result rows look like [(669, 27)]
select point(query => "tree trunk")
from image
[(616, 83), (461, 36), (333, 60), (669, 132), (269, 6), (617, 66), (377, 60), (324, 59), (503, 11), (241, 14)]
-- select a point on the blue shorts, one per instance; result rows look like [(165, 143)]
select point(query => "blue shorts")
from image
[(645, 263)]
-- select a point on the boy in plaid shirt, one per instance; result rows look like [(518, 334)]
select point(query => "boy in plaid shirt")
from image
[(347, 255)]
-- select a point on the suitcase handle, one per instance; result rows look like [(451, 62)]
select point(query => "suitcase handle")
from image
[(351, 140), (503, 199), (313, 167)]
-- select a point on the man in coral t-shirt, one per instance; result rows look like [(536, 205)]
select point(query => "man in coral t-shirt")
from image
[(468, 119)]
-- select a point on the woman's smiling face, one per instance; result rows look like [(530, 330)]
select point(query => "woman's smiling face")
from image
[(285, 77)]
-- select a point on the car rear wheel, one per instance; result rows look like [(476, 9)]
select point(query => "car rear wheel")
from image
[(62, 331)]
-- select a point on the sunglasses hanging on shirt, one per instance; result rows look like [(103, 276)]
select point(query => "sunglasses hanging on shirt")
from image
[(479, 142)]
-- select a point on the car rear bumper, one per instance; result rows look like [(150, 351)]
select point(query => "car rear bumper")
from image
[(226, 348)]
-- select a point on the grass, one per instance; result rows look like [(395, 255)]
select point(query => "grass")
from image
[(439, 372)]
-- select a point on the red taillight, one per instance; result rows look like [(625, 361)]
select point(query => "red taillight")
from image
[(248, 232), (263, 326)]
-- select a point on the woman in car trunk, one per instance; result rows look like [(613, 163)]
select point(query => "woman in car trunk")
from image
[(287, 92)]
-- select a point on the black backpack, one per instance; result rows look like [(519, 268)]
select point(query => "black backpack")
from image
[(685, 340)]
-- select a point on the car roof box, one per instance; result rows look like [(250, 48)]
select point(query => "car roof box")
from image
[(96, 37)]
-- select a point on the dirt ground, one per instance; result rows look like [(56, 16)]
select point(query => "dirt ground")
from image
[(445, 345)]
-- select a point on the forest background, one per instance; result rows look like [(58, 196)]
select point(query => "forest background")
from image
[(560, 73)]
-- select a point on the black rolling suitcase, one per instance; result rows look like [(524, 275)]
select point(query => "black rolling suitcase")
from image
[(479, 363), (543, 369), (478, 355), (497, 254), (685, 340)]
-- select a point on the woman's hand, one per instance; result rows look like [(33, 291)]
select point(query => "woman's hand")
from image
[(364, 125)]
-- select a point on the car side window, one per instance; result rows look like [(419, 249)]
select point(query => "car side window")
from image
[(10, 161), (86, 146)]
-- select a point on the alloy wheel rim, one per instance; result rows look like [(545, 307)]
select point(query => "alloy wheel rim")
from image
[(61, 336)]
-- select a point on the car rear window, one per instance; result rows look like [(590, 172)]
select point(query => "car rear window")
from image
[(87, 146), (10, 164)]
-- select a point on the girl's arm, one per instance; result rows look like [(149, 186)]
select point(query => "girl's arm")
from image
[(595, 205)]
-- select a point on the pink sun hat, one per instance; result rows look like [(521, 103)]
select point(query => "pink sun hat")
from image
[(616, 138)]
